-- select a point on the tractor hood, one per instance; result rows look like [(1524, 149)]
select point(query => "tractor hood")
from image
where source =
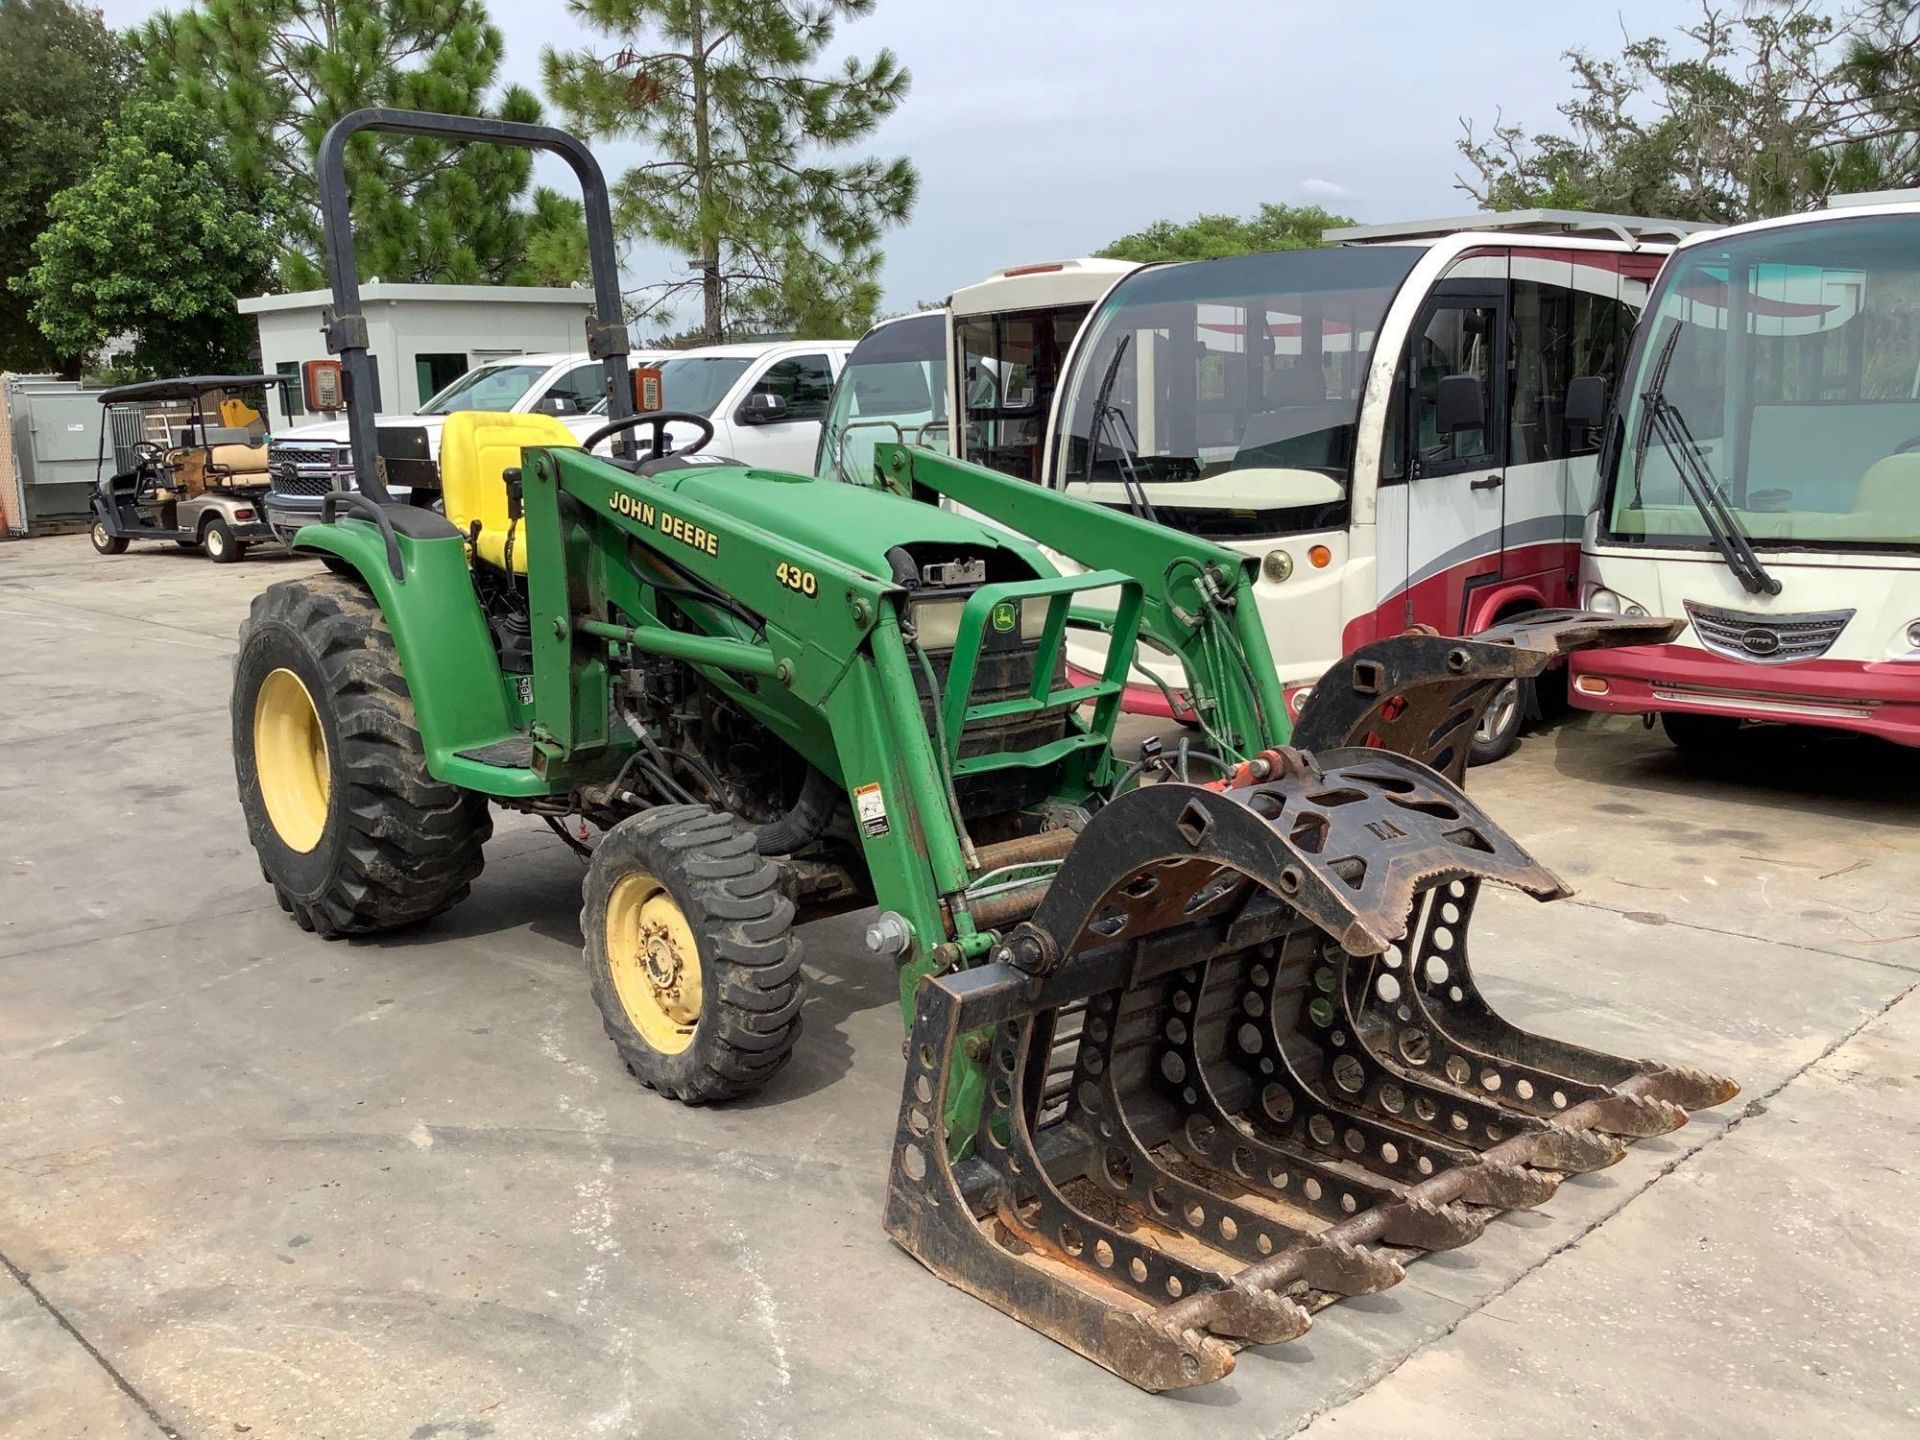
[(851, 523)]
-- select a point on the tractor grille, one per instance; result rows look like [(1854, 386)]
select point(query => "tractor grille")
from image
[(1767, 639), (309, 469)]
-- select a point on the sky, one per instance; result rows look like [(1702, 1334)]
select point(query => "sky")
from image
[(1044, 129)]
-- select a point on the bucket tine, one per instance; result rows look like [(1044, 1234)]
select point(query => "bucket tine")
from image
[(1444, 986), (1290, 1106)]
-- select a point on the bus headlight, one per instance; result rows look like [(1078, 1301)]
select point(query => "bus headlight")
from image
[(1278, 565), (1913, 633), (1603, 601)]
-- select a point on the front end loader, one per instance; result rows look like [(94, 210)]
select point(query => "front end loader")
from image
[(1193, 1042)]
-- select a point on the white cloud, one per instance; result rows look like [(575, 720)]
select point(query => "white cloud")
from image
[(1325, 190)]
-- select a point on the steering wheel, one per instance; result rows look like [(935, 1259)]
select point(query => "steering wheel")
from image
[(659, 420), (149, 453)]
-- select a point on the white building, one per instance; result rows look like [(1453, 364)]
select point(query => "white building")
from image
[(421, 337)]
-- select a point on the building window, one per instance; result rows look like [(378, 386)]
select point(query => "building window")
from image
[(291, 399), (435, 372)]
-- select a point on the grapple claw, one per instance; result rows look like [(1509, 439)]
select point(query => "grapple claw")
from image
[(1418, 1225), (1507, 1187), (1255, 1317), (1337, 1268), (1256, 1050), (1636, 1116), (1685, 1086), (1574, 1152)]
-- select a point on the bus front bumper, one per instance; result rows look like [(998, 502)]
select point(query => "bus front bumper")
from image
[(1874, 697)]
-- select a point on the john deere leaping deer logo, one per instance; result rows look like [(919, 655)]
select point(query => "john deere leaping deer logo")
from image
[(1005, 616)]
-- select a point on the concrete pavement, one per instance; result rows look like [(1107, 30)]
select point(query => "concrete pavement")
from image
[(255, 1183)]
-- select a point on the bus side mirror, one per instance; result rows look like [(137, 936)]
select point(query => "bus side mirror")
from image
[(1460, 404), (1586, 402)]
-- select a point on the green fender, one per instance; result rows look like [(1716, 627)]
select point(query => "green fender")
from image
[(446, 652)]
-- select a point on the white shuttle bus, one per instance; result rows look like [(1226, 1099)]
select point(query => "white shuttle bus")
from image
[(1761, 480), (1402, 426)]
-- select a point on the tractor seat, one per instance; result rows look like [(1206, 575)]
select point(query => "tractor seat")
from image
[(477, 448)]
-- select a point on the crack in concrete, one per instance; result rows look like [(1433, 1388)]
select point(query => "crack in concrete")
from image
[(1754, 1106), (1759, 939), (112, 1372)]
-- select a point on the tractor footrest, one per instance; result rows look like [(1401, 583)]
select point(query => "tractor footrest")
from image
[(512, 754)]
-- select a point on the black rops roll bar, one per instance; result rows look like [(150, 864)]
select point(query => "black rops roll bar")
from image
[(346, 326)]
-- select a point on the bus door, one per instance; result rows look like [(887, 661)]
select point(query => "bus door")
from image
[(1455, 507)]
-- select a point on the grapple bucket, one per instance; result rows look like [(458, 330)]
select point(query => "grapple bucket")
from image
[(1237, 1055)]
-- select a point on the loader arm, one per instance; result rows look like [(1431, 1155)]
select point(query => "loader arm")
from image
[(1193, 590)]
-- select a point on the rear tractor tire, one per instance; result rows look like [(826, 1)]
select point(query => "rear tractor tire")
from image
[(690, 953), (353, 833)]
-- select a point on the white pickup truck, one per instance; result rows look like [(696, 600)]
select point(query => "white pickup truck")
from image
[(765, 400)]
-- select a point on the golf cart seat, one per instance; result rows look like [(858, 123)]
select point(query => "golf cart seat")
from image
[(245, 464), (477, 448)]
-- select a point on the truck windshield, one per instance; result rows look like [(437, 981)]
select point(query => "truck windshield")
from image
[(491, 387), (698, 382), (1233, 405), (1792, 355), (894, 387)]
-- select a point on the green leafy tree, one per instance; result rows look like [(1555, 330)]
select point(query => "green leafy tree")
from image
[(1208, 237), (775, 235), (1745, 113), (273, 75), (61, 74), (148, 247)]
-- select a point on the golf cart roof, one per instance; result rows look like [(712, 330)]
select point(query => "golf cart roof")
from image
[(186, 387)]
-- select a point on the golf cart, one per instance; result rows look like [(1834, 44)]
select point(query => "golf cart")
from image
[(184, 469)]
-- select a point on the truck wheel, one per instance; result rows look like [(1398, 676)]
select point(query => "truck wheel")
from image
[(1697, 734), (1498, 733), (691, 955), (104, 543), (353, 833), (221, 547)]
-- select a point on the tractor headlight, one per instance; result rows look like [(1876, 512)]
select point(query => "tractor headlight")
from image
[(937, 620)]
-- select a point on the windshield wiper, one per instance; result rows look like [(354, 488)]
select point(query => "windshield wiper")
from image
[(1661, 418), (1103, 416)]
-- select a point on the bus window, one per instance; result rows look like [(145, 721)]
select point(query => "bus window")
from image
[(1457, 339), (1010, 366)]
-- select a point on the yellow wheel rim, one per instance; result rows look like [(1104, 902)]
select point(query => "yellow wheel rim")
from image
[(654, 961), (290, 758)]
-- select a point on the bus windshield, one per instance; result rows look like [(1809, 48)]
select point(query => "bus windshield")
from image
[(893, 388), (1779, 369), (1225, 394)]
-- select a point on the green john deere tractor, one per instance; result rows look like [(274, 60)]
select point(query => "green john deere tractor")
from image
[(1188, 1054)]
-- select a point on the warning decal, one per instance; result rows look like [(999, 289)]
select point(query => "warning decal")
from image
[(870, 809)]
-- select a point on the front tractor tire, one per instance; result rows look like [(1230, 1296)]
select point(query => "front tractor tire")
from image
[(691, 955), (353, 833)]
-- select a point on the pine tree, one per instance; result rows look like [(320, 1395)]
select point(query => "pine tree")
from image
[(273, 75), (777, 236)]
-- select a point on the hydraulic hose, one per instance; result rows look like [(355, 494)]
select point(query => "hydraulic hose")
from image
[(804, 822)]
